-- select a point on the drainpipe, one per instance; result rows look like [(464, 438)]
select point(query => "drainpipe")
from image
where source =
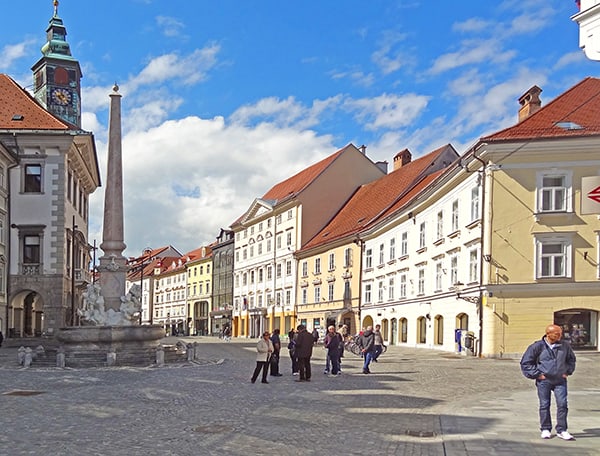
[(483, 221)]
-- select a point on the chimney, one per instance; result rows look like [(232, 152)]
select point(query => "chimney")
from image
[(382, 165), (402, 158), (530, 103)]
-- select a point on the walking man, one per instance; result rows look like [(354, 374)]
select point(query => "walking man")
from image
[(304, 347), (549, 362), (366, 342), (378, 343)]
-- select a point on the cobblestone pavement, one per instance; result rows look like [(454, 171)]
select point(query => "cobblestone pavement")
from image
[(416, 402)]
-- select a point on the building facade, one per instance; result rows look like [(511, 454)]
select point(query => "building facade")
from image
[(278, 224), (222, 288)]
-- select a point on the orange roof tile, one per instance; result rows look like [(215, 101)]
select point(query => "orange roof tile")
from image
[(578, 106), (16, 101), (372, 200)]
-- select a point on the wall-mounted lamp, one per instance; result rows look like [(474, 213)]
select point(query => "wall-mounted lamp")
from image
[(487, 258), (459, 287)]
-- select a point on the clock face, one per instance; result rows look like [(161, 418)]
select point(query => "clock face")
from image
[(61, 96)]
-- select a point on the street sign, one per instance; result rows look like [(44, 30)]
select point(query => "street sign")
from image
[(590, 195)]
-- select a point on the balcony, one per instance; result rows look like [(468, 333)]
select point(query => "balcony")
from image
[(30, 269), (83, 276)]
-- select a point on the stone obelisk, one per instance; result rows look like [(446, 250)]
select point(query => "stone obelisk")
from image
[(113, 265)]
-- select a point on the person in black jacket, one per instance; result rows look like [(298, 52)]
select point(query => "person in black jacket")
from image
[(275, 356), (549, 362), (304, 348)]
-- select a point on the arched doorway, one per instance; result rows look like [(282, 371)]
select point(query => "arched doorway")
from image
[(367, 321), (403, 330), (385, 329), (26, 315), (394, 332), (421, 330), (438, 330)]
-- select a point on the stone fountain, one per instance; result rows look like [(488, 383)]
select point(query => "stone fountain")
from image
[(111, 335)]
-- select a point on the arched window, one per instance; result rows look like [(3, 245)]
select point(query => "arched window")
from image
[(403, 330), (438, 330), (421, 330)]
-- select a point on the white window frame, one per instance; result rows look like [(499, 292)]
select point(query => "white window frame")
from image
[(455, 215), (381, 253), (368, 288), (392, 248), (552, 191), (331, 262), (368, 259), (439, 275), (566, 254), (474, 265), (475, 206), (403, 285), (380, 290), (390, 289), (404, 243), (421, 282), (422, 233), (440, 225)]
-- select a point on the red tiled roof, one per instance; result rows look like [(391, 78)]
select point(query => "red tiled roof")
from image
[(295, 184), (580, 105), (16, 101), (414, 191), (372, 200)]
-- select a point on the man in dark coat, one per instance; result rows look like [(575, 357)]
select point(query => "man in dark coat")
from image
[(275, 356), (304, 348), (366, 342), (549, 362)]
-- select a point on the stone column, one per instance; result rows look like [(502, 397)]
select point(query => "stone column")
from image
[(113, 265)]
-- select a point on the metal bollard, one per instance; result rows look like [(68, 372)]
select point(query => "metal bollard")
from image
[(160, 356), (111, 358), (196, 350), (190, 352), (60, 358)]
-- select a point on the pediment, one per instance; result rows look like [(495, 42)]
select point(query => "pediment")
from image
[(257, 208)]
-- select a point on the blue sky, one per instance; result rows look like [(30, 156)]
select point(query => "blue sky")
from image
[(221, 100)]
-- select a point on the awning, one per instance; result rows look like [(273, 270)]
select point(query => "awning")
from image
[(336, 314)]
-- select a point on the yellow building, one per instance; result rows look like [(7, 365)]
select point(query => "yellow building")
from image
[(331, 264), (199, 290), (540, 249)]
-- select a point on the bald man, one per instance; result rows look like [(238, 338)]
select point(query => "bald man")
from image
[(549, 362)]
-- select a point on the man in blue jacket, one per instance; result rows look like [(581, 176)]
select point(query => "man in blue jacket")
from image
[(549, 361)]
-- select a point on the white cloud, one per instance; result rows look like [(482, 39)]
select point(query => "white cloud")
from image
[(170, 26), (225, 166), (189, 69), (388, 110), (13, 52), (472, 52)]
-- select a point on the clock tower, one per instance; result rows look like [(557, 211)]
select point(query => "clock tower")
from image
[(57, 75)]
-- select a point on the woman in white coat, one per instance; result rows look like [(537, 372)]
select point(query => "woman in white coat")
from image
[(264, 349)]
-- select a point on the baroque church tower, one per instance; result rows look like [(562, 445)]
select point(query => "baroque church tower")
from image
[(57, 75)]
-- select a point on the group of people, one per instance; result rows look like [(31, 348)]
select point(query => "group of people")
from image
[(300, 348)]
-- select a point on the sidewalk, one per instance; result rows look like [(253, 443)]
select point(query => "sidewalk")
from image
[(416, 402)]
